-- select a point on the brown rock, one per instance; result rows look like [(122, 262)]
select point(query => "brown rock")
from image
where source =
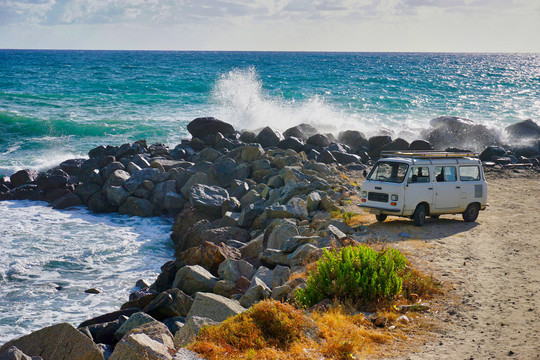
[(209, 255)]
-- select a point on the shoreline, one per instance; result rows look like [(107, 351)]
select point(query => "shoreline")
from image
[(237, 199)]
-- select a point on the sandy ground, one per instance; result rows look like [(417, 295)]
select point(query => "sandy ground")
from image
[(491, 269)]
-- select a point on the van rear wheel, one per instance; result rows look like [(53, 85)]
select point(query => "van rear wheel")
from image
[(471, 212), (381, 217), (419, 216)]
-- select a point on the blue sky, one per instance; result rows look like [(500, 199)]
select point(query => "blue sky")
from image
[(304, 25)]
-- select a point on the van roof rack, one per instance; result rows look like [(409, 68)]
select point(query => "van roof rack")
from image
[(428, 154)]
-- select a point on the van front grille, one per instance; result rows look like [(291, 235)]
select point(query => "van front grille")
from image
[(375, 196)]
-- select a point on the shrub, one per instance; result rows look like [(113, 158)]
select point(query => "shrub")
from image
[(354, 274)]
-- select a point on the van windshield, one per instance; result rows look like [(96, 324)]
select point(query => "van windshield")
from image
[(388, 171)]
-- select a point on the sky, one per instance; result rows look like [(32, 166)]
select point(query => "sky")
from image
[(280, 25)]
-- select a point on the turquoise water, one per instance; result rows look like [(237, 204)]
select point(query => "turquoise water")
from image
[(60, 104), (56, 105)]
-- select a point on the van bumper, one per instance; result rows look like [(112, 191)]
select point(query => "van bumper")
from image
[(378, 209)]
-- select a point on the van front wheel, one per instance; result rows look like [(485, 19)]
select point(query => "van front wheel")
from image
[(471, 212), (419, 216), (381, 217)]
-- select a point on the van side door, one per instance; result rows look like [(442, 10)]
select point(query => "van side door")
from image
[(419, 188), (447, 188)]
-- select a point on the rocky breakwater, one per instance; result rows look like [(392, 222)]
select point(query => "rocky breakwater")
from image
[(251, 211)]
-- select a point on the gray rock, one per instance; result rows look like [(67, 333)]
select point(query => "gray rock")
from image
[(117, 195), (291, 143), (57, 342), (160, 191), (208, 199), (174, 202), (198, 178), (354, 139), (265, 274), (137, 207), (174, 324), (86, 190), (15, 354), (252, 152), (185, 354), (152, 339), (233, 270), (313, 201), (222, 172), (275, 182), (329, 205), (345, 158), (304, 255), (112, 167), (257, 291), (138, 177), (280, 234), (194, 278), (250, 213), (207, 154), (224, 288), (231, 205), (191, 328), (293, 243), (299, 207), (215, 307), (280, 276), (326, 157), (273, 257), (251, 197), (281, 293), (66, 201), (334, 231), (252, 248), (239, 189), (134, 320), (230, 219)]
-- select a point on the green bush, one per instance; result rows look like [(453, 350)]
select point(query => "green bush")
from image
[(359, 274)]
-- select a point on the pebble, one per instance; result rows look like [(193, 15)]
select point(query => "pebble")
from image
[(92, 291)]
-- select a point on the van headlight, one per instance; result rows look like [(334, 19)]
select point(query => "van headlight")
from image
[(364, 194), (394, 197)]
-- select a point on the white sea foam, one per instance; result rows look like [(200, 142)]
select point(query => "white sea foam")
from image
[(44, 249)]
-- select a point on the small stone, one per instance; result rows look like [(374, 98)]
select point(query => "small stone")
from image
[(92, 291)]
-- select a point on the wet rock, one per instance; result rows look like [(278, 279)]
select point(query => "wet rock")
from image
[(248, 137), (117, 195), (23, 177), (137, 207), (174, 202), (98, 203), (203, 126), (66, 201), (268, 137), (420, 145), (194, 278), (526, 129), (354, 139), (138, 177), (318, 140), (59, 342), (291, 142), (72, 166)]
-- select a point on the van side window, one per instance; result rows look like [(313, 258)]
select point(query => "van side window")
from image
[(469, 173), (419, 174), (445, 173)]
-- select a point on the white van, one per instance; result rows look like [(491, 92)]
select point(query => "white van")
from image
[(417, 184)]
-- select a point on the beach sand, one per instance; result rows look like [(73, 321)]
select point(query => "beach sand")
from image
[(490, 269)]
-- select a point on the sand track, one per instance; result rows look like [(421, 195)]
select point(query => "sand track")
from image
[(493, 265)]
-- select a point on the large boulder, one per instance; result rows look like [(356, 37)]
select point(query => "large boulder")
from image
[(201, 127), (252, 152), (57, 342), (302, 131), (117, 195), (215, 307), (194, 278), (138, 177), (233, 270), (72, 166), (354, 139), (66, 201), (222, 172), (184, 221), (291, 143), (23, 177), (420, 145), (52, 180), (318, 140), (208, 199), (192, 327), (15, 354), (134, 320), (268, 137), (526, 129), (452, 131)]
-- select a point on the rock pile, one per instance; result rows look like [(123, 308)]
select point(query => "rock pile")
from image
[(251, 210)]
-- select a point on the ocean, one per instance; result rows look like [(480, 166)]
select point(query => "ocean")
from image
[(56, 105)]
